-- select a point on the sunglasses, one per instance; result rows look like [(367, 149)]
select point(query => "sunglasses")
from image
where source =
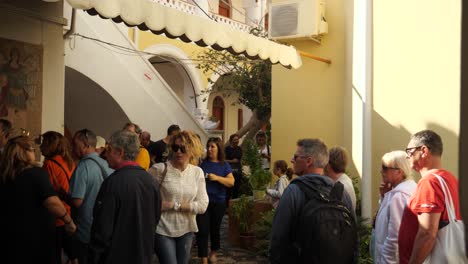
[(176, 148), (385, 168)]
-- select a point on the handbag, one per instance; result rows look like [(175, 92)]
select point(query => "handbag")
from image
[(449, 246)]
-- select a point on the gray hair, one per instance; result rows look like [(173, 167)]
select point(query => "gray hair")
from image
[(316, 149), (397, 159), (431, 140), (126, 141)]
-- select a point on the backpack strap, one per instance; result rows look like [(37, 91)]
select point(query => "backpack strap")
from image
[(337, 191), (103, 172), (311, 191)]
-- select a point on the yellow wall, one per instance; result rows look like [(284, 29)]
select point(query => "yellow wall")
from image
[(416, 76), (309, 102)]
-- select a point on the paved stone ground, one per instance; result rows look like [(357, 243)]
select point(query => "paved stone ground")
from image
[(229, 254)]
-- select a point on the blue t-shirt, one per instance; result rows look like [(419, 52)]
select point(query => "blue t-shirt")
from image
[(84, 184), (216, 191)]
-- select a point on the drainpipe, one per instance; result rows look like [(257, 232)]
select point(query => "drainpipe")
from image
[(136, 33), (366, 201), (72, 25)]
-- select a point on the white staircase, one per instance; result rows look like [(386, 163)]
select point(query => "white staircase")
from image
[(127, 77)]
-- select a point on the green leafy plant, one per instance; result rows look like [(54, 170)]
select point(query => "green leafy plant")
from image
[(364, 228), (260, 179), (262, 231), (249, 80), (250, 155), (242, 211)]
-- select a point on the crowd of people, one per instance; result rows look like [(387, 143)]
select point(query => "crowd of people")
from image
[(412, 222), (123, 200)]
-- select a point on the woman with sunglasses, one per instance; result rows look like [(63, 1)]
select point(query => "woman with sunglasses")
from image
[(183, 193), (396, 187), (29, 207), (60, 165), (219, 177)]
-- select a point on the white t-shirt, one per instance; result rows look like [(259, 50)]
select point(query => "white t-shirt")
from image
[(265, 161), (348, 187)]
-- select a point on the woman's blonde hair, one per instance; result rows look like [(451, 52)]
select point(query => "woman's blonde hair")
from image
[(192, 143), (397, 159), (14, 158)]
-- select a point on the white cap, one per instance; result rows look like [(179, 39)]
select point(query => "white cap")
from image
[(100, 142)]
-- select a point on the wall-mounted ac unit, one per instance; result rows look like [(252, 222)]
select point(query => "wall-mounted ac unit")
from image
[(297, 19)]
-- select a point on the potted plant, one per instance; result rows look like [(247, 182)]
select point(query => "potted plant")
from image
[(258, 177), (242, 211), (259, 181)]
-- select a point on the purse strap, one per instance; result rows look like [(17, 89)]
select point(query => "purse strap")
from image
[(60, 165), (448, 199), (163, 175)]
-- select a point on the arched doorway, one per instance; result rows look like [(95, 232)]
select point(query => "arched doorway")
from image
[(218, 112)]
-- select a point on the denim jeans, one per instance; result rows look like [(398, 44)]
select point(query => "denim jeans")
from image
[(173, 250)]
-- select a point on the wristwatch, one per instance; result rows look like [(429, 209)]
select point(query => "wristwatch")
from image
[(176, 206)]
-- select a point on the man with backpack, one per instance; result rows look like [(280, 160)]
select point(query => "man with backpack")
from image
[(314, 222)]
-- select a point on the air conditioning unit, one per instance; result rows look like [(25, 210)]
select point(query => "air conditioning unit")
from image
[(298, 19)]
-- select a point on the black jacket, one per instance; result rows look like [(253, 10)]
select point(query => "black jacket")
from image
[(126, 212)]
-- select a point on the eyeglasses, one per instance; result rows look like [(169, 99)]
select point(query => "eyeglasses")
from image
[(410, 151), (176, 148), (385, 168)]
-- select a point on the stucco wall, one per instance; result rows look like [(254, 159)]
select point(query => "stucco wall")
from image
[(310, 102), (38, 23), (416, 76)]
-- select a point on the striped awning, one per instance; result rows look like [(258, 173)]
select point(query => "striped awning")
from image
[(159, 19)]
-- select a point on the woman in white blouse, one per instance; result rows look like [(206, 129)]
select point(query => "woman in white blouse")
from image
[(397, 186), (279, 169), (183, 194)]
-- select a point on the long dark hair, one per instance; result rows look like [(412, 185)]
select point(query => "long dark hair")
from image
[(54, 143), (14, 158), (219, 143)]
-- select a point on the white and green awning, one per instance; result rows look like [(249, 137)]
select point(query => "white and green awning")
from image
[(159, 19)]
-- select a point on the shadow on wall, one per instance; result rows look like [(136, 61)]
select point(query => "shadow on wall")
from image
[(88, 105), (387, 137)]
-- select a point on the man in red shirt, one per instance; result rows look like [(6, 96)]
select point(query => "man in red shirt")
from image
[(426, 212)]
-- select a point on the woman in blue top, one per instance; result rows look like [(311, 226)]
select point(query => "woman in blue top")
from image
[(218, 174)]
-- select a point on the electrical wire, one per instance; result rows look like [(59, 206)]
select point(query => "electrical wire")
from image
[(134, 52)]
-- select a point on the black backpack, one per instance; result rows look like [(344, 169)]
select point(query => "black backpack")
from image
[(326, 230)]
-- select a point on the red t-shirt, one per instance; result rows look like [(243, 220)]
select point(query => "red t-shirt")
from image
[(428, 198), (59, 178)]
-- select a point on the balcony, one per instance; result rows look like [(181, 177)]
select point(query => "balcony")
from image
[(191, 9)]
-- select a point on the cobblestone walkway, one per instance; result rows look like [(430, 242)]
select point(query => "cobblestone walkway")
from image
[(229, 254)]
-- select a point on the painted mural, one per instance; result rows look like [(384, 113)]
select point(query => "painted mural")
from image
[(21, 84)]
